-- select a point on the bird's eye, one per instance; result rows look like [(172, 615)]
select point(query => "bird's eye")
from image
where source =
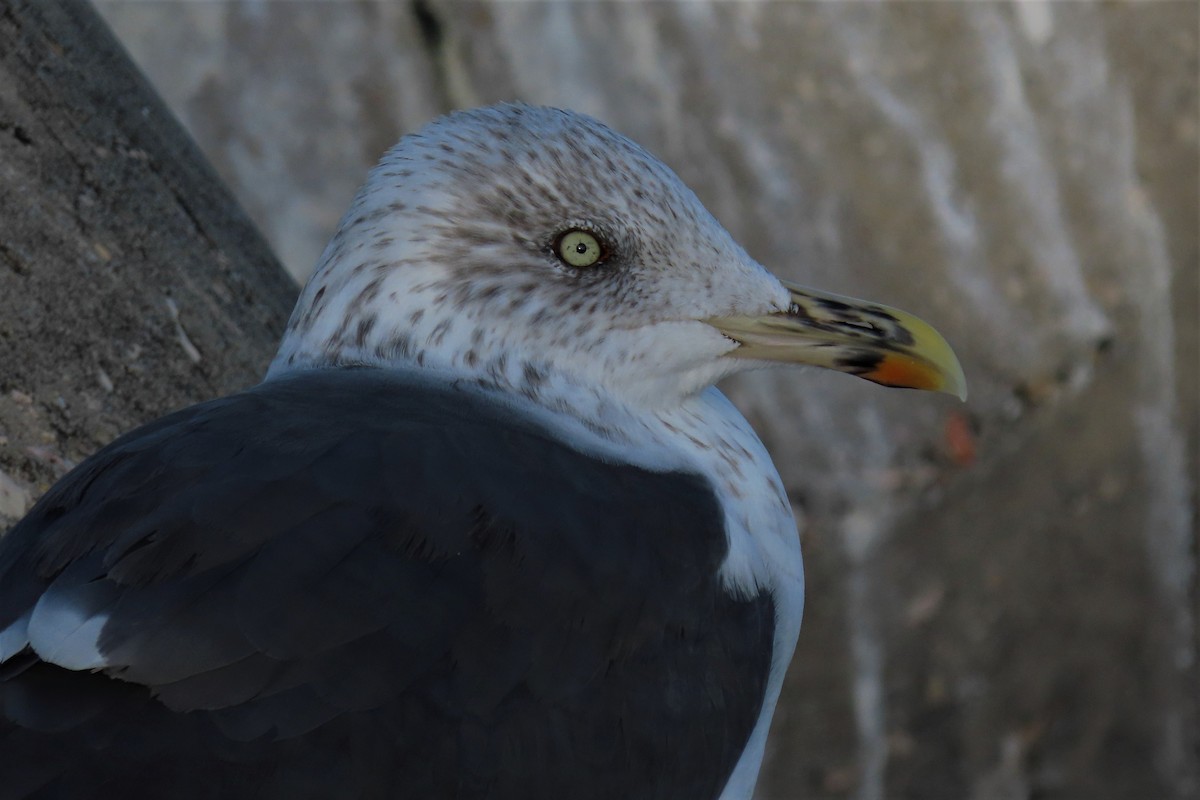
[(578, 248)]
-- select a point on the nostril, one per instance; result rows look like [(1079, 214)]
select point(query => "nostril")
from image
[(861, 325)]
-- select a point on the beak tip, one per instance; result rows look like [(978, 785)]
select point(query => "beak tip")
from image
[(957, 383)]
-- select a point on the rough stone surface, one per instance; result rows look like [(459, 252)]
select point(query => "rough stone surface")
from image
[(130, 282), (1002, 595)]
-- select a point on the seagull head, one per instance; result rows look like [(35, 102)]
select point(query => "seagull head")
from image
[(516, 243)]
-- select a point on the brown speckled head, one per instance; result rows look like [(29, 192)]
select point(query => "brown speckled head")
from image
[(451, 257)]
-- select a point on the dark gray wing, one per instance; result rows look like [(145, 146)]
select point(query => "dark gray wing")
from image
[(345, 584)]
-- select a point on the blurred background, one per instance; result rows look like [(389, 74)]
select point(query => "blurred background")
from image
[(1002, 595)]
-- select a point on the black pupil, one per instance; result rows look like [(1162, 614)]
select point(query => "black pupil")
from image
[(581, 248)]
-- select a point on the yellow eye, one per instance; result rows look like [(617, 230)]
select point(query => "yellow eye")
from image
[(579, 249)]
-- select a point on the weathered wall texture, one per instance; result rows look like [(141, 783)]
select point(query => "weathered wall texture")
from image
[(130, 282), (1002, 595)]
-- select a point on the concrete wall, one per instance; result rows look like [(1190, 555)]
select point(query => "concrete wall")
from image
[(1002, 595)]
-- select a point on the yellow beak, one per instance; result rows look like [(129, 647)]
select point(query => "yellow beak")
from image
[(881, 344)]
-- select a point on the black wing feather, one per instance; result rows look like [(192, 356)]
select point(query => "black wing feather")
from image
[(346, 583)]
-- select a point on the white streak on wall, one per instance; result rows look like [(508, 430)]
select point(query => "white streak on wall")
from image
[(1170, 502), (863, 530), (1031, 182), (1036, 19)]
